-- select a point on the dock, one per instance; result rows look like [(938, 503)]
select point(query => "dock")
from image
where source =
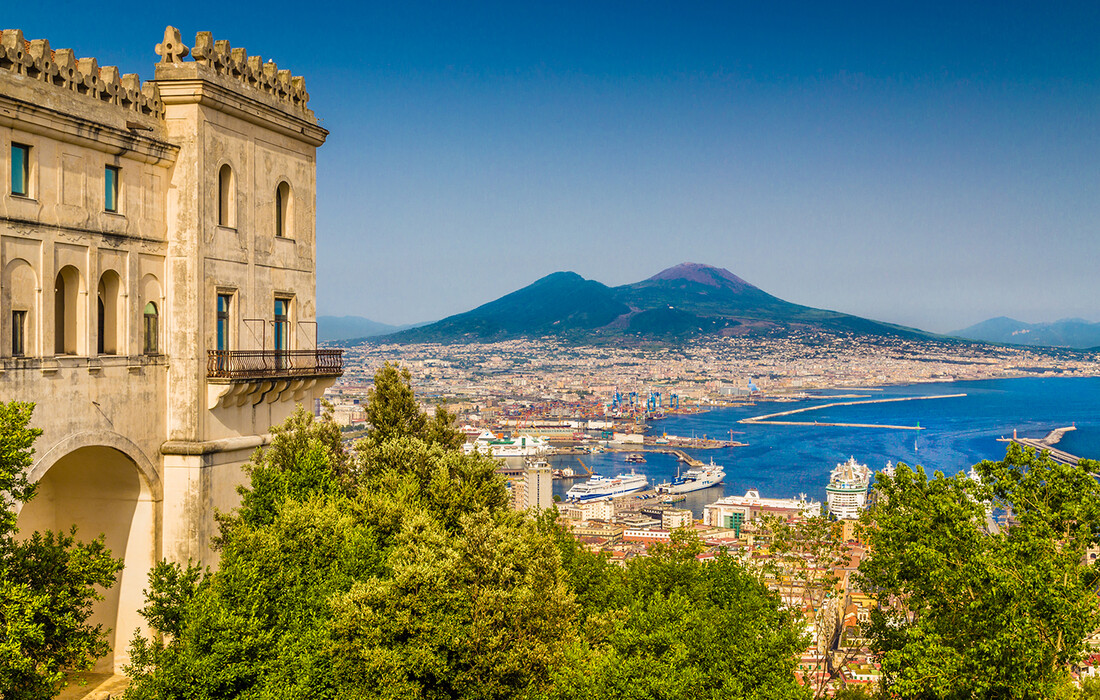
[(769, 418), (680, 454), (1046, 445)]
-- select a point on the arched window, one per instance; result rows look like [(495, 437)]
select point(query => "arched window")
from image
[(21, 299), (227, 198), (109, 324), (150, 329), (283, 210), (68, 314)]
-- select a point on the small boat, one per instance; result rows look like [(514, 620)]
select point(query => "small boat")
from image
[(635, 458)]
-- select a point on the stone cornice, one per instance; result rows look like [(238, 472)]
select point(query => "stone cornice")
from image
[(204, 91), (95, 134)]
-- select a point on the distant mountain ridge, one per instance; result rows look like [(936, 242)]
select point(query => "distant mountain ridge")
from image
[(332, 328), (684, 301), (1074, 333)]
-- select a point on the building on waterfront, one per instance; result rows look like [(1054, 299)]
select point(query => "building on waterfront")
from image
[(733, 512), (157, 289), (847, 489)]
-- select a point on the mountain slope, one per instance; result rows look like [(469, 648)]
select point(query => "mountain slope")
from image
[(1067, 333), (683, 301), (558, 303)]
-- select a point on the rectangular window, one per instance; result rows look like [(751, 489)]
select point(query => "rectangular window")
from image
[(223, 321), (20, 169), (110, 187), (282, 332), (18, 333)]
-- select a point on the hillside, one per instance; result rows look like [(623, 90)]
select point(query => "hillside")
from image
[(684, 301), (1067, 333)]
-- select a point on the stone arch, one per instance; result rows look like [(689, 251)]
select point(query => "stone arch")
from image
[(69, 312), (19, 290), (110, 328), (102, 489)]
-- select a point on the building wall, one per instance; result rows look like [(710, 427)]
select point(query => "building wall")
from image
[(140, 443)]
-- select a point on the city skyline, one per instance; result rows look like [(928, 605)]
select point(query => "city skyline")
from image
[(928, 166)]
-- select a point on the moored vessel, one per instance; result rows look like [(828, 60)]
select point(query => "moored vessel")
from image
[(607, 487), (694, 479)]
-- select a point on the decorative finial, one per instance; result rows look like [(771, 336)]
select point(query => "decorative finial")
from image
[(172, 50)]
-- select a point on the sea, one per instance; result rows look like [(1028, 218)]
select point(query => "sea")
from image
[(784, 461)]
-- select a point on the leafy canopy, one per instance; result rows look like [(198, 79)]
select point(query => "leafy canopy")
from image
[(973, 609), (397, 570)]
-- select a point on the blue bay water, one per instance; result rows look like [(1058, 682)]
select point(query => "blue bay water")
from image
[(786, 460)]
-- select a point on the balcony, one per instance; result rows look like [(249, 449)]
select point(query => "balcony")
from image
[(273, 364), (238, 377)]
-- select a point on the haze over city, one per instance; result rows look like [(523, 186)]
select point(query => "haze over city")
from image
[(931, 165)]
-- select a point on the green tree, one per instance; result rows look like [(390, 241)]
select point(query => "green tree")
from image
[(973, 610), (406, 530), (47, 581), (392, 411), (676, 628)]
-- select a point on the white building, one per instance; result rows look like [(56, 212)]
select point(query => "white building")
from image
[(734, 511)]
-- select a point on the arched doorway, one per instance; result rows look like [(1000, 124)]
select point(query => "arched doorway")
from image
[(101, 491)]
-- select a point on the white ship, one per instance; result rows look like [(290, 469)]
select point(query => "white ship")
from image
[(694, 479), (607, 487), (521, 446), (847, 489)]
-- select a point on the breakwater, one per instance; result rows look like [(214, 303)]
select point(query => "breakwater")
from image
[(769, 418)]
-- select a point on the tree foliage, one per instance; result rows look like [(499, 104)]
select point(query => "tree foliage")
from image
[(48, 581), (670, 627), (971, 609), (397, 570)]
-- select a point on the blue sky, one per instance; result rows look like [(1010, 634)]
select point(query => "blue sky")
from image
[(932, 164)]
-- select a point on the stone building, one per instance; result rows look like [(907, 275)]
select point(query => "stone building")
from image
[(157, 288)]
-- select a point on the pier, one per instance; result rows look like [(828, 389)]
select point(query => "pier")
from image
[(1045, 445), (680, 454), (768, 419)]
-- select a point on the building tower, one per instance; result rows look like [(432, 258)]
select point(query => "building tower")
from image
[(157, 289)]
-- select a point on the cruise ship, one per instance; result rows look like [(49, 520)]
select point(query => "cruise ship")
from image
[(847, 489), (694, 479), (607, 487)]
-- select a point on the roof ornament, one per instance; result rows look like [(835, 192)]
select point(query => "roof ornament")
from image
[(172, 50)]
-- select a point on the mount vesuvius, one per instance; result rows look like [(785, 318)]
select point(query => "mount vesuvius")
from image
[(681, 302)]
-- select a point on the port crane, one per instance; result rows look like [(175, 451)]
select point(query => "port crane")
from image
[(587, 471)]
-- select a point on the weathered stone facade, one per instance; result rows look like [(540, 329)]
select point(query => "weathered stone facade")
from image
[(157, 288)]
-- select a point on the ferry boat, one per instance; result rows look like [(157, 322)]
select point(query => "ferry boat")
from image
[(636, 458), (521, 446), (694, 479), (607, 487)]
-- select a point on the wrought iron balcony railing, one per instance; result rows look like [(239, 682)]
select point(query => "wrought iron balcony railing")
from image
[(261, 364)]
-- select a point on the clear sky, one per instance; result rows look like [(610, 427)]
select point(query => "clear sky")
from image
[(931, 164)]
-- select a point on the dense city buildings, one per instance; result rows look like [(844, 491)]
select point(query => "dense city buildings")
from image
[(548, 379)]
